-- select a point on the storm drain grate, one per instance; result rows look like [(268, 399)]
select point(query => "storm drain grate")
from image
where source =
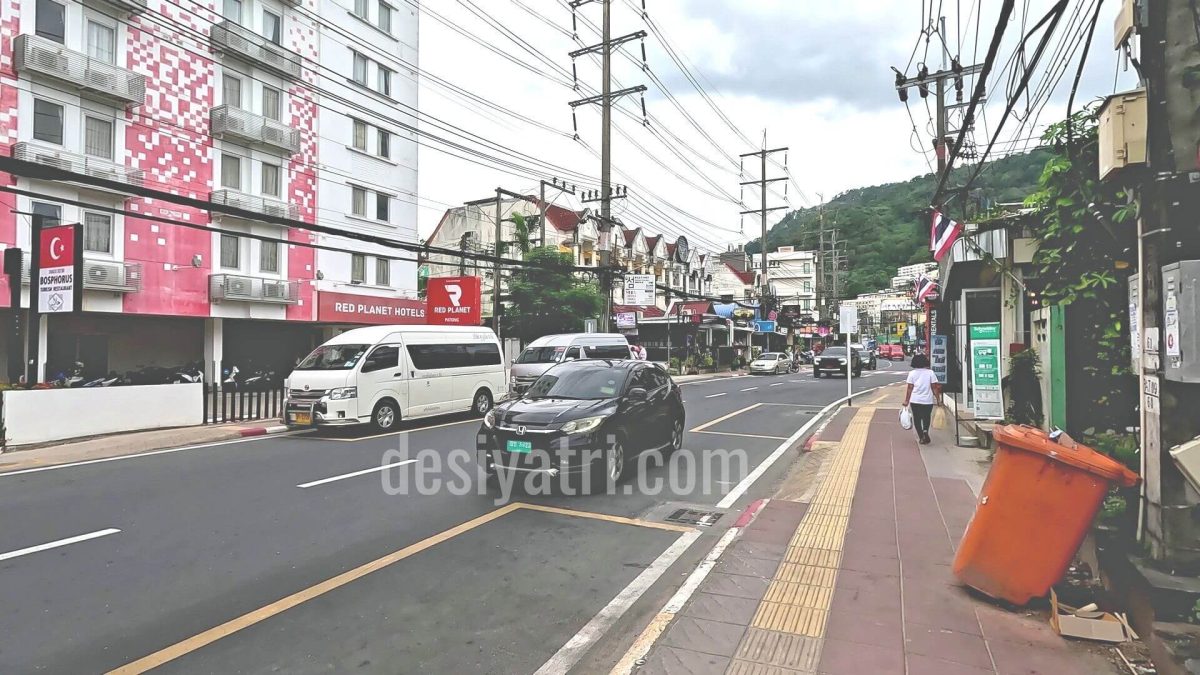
[(693, 517)]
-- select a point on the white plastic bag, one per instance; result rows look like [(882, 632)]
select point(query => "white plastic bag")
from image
[(906, 417)]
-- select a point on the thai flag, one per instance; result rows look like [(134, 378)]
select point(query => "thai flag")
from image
[(942, 234), (924, 287)]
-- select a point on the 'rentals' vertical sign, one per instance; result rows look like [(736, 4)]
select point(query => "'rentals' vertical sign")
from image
[(60, 269), (453, 301)]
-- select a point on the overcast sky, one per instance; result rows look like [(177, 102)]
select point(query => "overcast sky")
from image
[(816, 76)]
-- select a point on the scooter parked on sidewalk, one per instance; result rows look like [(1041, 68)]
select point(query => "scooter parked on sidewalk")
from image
[(190, 373)]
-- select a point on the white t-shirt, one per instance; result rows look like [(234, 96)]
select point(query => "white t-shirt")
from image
[(922, 381)]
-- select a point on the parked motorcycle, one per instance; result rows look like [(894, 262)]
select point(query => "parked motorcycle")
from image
[(72, 380), (109, 380), (190, 373)]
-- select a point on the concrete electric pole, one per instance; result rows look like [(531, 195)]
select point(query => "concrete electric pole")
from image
[(762, 183)]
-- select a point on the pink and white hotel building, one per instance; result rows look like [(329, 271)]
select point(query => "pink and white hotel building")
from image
[(287, 108)]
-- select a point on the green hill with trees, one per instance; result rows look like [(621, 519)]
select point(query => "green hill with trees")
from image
[(886, 226)]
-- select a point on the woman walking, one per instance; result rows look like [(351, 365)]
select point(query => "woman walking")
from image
[(923, 392)]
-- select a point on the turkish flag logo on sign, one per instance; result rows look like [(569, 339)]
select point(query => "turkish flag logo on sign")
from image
[(57, 247), (453, 301)]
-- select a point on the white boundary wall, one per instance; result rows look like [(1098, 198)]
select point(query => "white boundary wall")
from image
[(44, 415)]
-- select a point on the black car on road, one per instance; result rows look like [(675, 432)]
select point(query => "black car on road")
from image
[(832, 361), (589, 419)]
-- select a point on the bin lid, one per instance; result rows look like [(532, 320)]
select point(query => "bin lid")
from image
[(1032, 439)]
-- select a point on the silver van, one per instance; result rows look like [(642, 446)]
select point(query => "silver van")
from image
[(548, 350)]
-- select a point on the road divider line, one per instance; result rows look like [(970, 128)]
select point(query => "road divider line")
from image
[(777, 384), (620, 520), (352, 474), (750, 388), (568, 655), (716, 395), (727, 433), (735, 413), (56, 544), (248, 619)]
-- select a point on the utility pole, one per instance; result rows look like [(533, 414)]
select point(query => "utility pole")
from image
[(498, 202), (762, 211), (605, 99)]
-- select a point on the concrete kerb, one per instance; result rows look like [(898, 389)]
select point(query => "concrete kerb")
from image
[(646, 640)]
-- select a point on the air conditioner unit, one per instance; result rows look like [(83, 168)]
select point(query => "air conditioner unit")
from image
[(275, 290), (104, 274), (278, 209), (237, 287), (100, 80), (54, 159), (105, 172), (277, 136), (47, 59)]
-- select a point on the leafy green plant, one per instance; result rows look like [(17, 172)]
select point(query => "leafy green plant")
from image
[(1122, 447), (708, 361), (1024, 387), (674, 364)]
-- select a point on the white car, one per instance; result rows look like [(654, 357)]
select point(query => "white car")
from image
[(770, 362)]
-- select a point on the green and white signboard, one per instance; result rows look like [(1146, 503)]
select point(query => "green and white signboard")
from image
[(985, 371)]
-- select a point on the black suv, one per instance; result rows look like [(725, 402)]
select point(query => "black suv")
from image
[(833, 362)]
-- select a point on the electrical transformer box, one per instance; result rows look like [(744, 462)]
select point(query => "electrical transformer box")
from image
[(1181, 321), (1122, 131)]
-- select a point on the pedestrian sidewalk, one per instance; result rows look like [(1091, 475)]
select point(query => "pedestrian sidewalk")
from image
[(133, 443), (853, 576)]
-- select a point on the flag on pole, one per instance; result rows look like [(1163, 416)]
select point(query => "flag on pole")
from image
[(942, 234), (924, 287)]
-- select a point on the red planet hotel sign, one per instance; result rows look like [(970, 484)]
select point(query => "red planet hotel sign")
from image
[(454, 301), (348, 308)]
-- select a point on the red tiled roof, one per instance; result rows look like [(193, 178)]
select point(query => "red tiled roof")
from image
[(670, 249), (745, 277), (563, 220), (698, 307), (651, 242), (650, 312), (630, 235)]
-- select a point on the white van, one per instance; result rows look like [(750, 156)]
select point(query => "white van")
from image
[(383, 374), (548, 350)]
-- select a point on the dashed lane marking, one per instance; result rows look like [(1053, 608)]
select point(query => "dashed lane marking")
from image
[(716, 395)]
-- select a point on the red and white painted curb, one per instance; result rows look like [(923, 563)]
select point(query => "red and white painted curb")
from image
[(263, 431)]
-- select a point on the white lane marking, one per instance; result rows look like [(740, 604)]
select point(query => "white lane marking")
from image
[(716, 395), (60, 542), (248, 439), (735, 413), (352, 474), (568, 655), (740, 489), (395, 433), (777, 384), (644, 642), (750, 388)]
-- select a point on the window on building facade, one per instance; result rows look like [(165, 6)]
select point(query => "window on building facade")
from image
[(232, 10), (385, 18), (382, 206), (51, 213), (231, 171), (47, 121), (272, 27), (51, 21), (97, 232), (98, 137), (270, 179), (360, 135), (807, 287), (231, 91), (385, 81), (360, 69), (385, 144), (383, 272), (358, 268), (101, 42), (230, 252), (268, 256), (358, 201), (360, 8), (806, 269), (271, 107)]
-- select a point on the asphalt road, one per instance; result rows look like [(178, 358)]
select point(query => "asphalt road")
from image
[(216, 560)]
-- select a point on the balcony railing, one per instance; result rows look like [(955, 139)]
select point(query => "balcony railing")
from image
[(230, 121), (262, 205), (123, 6), (100, 275), (252, 289), (76, 163), (93, 78), (236, 40)]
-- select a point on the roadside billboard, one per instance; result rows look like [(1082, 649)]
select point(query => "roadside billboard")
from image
[(453, 301)]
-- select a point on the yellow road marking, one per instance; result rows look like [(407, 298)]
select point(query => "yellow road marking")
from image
[(735, 413), (244, 621), (729, 433), (621, 520)]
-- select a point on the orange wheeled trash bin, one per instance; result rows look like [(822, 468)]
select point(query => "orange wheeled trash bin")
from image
[(1036, 506)]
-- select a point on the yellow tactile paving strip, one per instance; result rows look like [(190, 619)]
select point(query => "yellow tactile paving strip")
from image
[(796, 606)]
